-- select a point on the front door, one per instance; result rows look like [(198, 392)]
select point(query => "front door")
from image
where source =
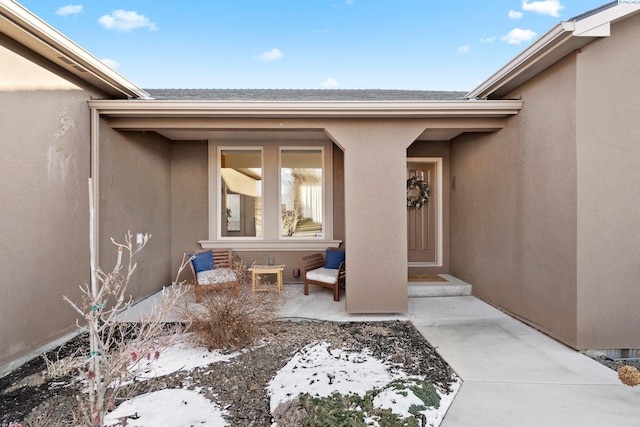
[(423, 222)]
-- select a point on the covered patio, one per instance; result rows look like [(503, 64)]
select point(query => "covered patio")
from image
[(367, 146)]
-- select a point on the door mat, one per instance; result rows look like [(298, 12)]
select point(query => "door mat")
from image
[(426, 278)]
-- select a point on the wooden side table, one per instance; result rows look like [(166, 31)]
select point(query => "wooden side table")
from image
[(257, 270)]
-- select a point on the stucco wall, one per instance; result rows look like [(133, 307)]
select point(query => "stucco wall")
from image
[(190, 199), (44, 137), (338, 195), (608, 198), (135, 194), (513, 207)]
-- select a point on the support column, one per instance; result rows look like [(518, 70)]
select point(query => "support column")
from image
[(375, 212)]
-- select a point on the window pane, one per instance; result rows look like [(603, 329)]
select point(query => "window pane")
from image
[(241, 190), (301, 193)]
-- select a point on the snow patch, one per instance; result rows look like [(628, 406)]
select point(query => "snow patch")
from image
[(170, 407)]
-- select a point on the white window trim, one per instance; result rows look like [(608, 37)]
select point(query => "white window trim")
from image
[(271, 239), (271, 245)]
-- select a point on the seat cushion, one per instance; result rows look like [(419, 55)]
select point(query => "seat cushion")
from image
[(202, 261), (334, 258), (325, 275), (217, 276)]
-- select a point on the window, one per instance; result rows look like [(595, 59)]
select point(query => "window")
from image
[(240, 184), (301, 192), (270, 197)]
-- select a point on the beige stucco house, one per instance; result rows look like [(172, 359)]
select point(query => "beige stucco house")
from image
[(534, 178)]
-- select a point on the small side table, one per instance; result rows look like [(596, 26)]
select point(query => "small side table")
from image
[(256, 270)]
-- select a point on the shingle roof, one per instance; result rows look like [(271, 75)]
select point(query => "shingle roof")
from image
[(302, 95)]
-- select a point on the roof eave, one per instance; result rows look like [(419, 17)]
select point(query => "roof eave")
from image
[(308, 109), (506, 78), (557, 43), (32, 32)]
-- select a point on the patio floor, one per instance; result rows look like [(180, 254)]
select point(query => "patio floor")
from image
[(513, 375)]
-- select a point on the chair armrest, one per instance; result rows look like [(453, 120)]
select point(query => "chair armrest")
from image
[(342, 274)]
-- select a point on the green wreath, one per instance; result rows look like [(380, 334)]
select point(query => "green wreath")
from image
[(422, 198)]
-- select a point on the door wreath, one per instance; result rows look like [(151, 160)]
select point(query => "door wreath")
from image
[(417, 192)]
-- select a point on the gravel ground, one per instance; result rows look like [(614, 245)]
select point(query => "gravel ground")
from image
[(238, 385), (615, 364)]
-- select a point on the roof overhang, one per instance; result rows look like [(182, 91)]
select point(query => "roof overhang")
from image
[(560, 41), (35, 34), (283, 120), (307, 109)]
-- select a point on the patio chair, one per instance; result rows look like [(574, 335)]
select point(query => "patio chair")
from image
[(329, 274), (213, 270)]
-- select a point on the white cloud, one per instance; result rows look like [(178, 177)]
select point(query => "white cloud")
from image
[(488, 39), (546, 7), (70, 9), (271, 55), (464, 49), (126, 20), (111, 63), (330, 82), (518, 35), (514, 14)]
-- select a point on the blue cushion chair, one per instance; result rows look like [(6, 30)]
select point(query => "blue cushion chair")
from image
[(213, 270)]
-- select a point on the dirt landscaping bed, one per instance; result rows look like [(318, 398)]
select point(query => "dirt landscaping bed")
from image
[(238, 385)]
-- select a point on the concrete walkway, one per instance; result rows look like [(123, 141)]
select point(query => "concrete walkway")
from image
[(513, 375)]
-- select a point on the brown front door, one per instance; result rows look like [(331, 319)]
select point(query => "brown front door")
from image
[(422, 223)]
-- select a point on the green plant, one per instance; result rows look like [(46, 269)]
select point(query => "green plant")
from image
[(337, 410), (423, 390), (352, 410), (415, 409)]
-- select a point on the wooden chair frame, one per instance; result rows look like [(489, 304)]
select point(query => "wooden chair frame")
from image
[(222, 258), (315, 261)]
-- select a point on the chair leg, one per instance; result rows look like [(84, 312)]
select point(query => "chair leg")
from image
[(336, 292), (306, 288), (198, 297)]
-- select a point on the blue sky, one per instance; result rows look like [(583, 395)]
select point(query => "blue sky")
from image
[(307, 44)]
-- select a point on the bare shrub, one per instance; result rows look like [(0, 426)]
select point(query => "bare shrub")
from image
[(119, 351), (40, 420), (629, 375), (226, 321), (61, 366)]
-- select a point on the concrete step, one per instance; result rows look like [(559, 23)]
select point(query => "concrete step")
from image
[(453, 287)]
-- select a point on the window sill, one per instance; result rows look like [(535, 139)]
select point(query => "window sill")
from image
[(271, 245)]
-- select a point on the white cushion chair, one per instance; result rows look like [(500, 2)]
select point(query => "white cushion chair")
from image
[(329, 274)]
